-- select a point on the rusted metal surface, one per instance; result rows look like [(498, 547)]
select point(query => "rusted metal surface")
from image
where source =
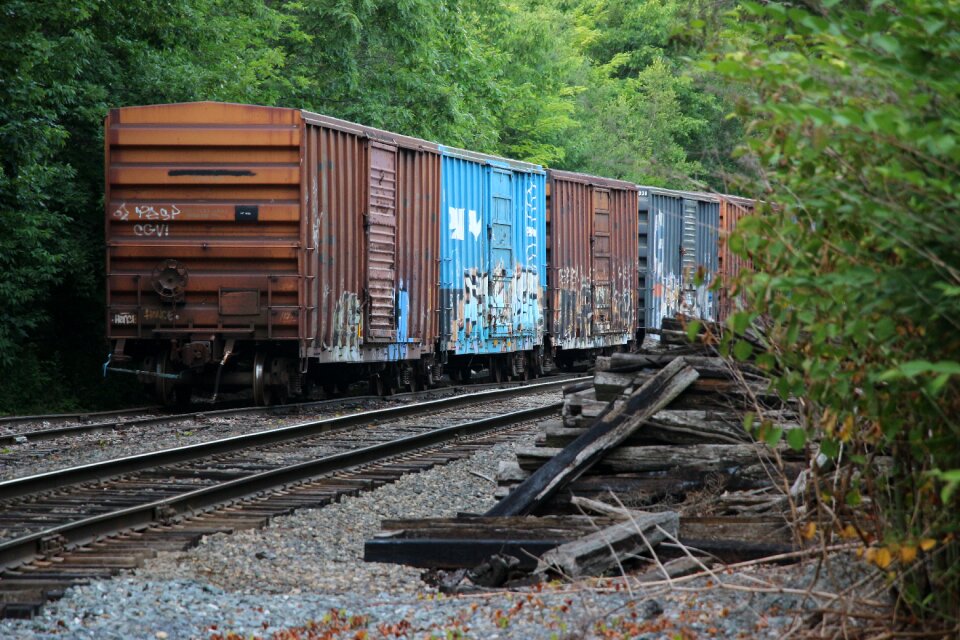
[(372, 215), (202, 221), (732, 209), (682, 236), (592, 238), (259, 223)]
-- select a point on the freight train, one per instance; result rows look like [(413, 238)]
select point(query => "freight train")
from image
[(276, 250)]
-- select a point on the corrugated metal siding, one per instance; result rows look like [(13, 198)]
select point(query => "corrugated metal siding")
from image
[(182, 183), (702, 299), (493, 253), (681, 243), (337, 187), (418, 248), (732, 209), (372, 208), (593, 244)]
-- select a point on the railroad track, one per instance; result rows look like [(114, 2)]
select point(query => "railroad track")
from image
[(70, 526), (70, 424), (8, 424)]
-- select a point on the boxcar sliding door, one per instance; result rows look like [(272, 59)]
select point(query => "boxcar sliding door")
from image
[(381, 236), (600, 249)]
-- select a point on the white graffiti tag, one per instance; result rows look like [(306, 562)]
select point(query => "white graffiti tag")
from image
[(162, 213)]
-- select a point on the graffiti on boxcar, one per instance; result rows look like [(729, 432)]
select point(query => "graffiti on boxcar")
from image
[(403, 310), (530, 210), (158, 219), (456, 223), (150, 229), (483, 303), (346, 321), (158, 314), (459, 221), (149, 212), (623, 297), (475, 225)]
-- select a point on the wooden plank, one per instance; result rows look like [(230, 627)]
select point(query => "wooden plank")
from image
[(667, 426), (690, 458), (434, 553), (610, 430), (517, 528), (728, 551), (603, 550), (609, 385)]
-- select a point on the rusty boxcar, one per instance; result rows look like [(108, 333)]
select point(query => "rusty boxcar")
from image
[(732, 210), (493, 264), (681, 247), (257, 247), (592, 244)]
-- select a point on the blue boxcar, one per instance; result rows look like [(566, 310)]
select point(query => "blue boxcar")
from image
[(492, 257), (679, 256)]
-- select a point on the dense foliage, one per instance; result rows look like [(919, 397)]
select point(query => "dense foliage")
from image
[(854, 114)]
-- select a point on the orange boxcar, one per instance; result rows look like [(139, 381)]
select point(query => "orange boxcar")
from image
[(248, 246), (732, 209)]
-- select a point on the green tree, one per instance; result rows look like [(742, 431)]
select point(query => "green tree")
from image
[(647, 114), (62, 66), (854, 114)]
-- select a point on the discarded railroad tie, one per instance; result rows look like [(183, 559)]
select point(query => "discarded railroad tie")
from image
[(662, 436)]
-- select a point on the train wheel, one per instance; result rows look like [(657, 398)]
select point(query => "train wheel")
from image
[(262, 391), (416, 383), (535, 365), (394, 380), (496, 370), (163, 387), (378, 386), (166, 390), (183, 394)]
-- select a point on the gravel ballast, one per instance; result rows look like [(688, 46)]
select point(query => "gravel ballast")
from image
[(302, 567)]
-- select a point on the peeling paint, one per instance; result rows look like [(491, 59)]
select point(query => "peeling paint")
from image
[(493, 282), (683, 238)]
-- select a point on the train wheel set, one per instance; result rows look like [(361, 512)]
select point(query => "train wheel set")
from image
[(278, 251)]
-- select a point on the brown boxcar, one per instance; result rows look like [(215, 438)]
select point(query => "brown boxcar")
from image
[(265, 242), (592, 263), (732, 209)]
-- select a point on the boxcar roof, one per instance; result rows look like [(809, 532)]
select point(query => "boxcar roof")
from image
[(486, 158), (690, 195), (586, 178), (380, 135)]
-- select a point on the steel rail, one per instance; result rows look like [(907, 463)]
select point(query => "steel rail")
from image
[(19, 487), (79, 533), (80, 415), (282, 409)]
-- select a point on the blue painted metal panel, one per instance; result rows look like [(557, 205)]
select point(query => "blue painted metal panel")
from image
[(682, 244), (493, 254)]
